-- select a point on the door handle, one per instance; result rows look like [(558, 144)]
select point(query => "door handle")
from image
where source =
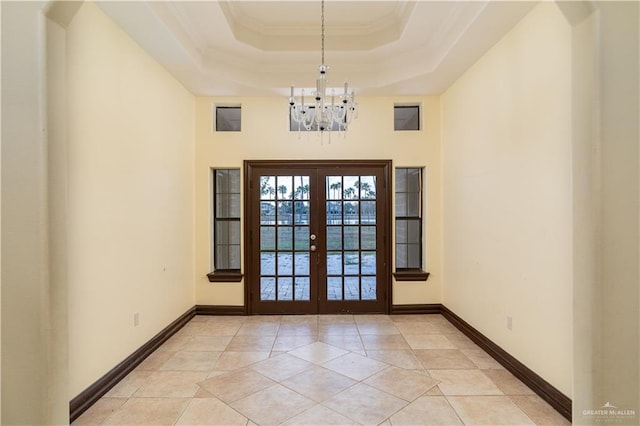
[(313, 247)]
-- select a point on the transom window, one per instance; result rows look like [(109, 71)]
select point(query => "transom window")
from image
[(228, 118), (406, 117)]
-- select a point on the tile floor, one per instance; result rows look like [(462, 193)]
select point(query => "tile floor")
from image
[(320, 370)]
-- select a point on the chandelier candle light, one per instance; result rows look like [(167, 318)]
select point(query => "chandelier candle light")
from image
[(322, 115)]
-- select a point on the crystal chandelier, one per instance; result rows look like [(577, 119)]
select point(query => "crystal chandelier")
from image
[(322, 114)]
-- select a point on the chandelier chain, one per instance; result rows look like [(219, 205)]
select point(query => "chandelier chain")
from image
[(324, 114), (322, 20)]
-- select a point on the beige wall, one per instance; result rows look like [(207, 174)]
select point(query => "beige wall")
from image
[(507, 195), (618, 376), (130, 197), (265, 135), (25, 296)]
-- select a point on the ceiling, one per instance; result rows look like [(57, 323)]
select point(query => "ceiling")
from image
[(260, 48)]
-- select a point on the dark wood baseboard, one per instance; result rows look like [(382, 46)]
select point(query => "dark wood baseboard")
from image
[(220, 310), (93, 393), (544, 389), (433, 308)]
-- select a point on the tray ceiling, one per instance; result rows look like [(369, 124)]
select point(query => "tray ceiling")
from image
[(260, 48)]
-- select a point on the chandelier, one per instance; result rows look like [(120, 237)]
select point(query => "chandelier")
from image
[(323, 114)]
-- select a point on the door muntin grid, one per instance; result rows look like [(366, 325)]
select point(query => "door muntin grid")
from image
[(351, 256), (284, 238)]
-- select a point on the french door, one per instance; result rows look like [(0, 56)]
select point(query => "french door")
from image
[(316, 236)]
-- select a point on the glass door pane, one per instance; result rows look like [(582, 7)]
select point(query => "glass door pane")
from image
[(284, 238), (316, 235), (351, 243)]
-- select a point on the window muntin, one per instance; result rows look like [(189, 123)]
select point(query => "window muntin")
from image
[(408, 191), (226, 183)]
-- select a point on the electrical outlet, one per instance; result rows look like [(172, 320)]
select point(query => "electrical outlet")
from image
[(136, 319), (510, 323)]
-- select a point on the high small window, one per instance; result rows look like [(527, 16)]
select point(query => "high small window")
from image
[(406, 117), (228, 118), (226, 225), (409, 225)]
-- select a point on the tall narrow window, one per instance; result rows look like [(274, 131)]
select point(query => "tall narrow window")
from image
[(226, 229), (409, 225)]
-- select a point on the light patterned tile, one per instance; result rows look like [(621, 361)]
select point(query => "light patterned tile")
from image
[(207, 343), (299, 319), (129, 385), (355, 366), (482, 360), (408, 318), (335, 319), (364, 404), (217, 328), (289, 343), (443, 359), (251, 343), (428, 341), (508, 383), (191, 361), (281, 367), (235, 385), (460, 341), (372, 318), (379, 328), (263, 318), (210, 411), (426, 410), (338, 328), (155, 360), (175, 343), (318, 383), (488, 410), (284, 348), (418, 328), (539, 411), (192, 328), (405, 384), (464, 382), (347, 342), (259, 329), (100, 411), (230, 360), (273, 405), (298, 329), (149, 411), (384, 341), (171, 384), (201, 393), (318, 352), (434, 392), (319, 415), (402, 358)]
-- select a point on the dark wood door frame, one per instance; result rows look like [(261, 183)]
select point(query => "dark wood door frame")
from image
[(292, 165)]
